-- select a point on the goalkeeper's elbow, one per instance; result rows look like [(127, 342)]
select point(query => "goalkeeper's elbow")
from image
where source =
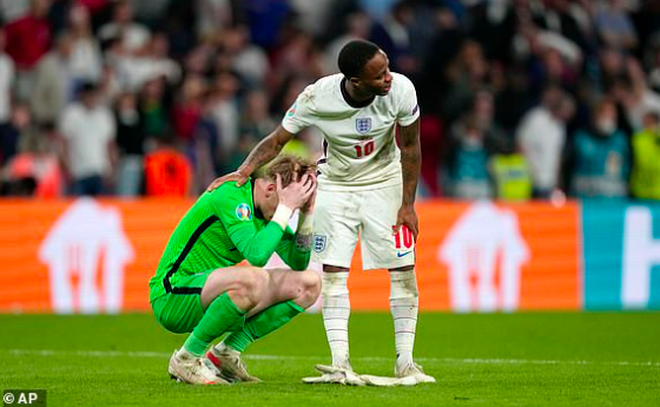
[(257, 260)]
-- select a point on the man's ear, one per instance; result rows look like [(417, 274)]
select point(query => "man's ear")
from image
[(271, 188), (355, 81)]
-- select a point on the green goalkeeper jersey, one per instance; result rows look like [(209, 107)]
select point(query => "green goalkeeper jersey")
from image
[(221, 230)]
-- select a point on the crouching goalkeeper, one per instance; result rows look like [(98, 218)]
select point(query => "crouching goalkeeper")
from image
[(199, 289)]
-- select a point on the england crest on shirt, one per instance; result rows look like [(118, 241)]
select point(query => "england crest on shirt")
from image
[(363, 125), (320, 242)]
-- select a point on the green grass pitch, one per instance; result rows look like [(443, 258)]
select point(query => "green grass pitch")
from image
[(526, 359)]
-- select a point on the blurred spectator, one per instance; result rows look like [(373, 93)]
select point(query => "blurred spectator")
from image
[(510, 173), (212, 17), (86, 59), (312, 16), (614, 26), (54, 85), (254, 125), (541, 136), (11, 10), (559, 16), (153, 109), (357, 27), (130, 142), (431, 135), (391, 34), (377, 9), (134, 36), (167, 170), (225, 112), (152, 62), (635, 96), (645, 179), (38, 163), (467, 161), (208, 156), (7, 74), (266, 18), (465, 74), (601, 157), (88, 132), (28, 38), (19, 126), (188, 109), (250, 61)]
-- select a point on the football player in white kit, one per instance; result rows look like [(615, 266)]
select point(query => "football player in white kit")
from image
[(366, 186)]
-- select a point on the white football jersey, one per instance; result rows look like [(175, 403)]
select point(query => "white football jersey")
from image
[(360, 150)]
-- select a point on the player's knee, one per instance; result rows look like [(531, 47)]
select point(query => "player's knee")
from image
[(253, 285), (403, 284), (310, 288)]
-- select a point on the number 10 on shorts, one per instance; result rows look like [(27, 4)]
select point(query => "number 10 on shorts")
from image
[(403, 239)]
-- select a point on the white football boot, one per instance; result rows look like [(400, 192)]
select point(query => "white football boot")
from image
[(189, 369), (230, 365)]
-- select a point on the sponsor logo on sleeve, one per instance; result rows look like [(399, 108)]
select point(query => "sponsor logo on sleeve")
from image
[(292, 111), (243, 212), (415, 109)]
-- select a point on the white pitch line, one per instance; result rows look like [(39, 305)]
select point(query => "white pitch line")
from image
[(160, 355)]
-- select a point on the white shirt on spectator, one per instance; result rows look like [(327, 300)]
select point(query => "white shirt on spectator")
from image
[(135, 36), (86, 59), (252, 63), (6, 80), (542, 138), (88, 133), (649, 102), (11, 10)]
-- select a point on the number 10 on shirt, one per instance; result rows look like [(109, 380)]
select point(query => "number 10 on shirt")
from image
[(364, 149)]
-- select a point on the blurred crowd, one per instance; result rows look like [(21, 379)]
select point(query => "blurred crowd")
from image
[(520, 99)]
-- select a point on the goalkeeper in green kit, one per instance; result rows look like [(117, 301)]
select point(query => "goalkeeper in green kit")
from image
[(198, 287)]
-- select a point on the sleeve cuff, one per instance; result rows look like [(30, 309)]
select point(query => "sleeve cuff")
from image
[(305, 224), (282, 215)]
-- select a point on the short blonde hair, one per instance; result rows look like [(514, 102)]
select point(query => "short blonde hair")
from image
[(286, 166)]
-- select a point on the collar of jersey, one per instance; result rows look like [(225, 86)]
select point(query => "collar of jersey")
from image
[(348, 99)]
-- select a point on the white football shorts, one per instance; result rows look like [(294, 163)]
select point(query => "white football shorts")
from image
[(339, 216)]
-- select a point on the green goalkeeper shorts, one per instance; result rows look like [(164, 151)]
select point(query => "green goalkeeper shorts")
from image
[(181, 312)]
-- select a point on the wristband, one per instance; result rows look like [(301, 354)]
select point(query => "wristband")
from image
[(282, 215)]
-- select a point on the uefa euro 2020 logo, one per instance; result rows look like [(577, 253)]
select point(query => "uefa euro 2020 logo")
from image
[(243, 212)]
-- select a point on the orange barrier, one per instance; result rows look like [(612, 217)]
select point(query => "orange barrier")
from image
[(97, 256)]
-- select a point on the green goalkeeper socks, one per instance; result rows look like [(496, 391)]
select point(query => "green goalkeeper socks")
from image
[(221, 316), (263, 323)]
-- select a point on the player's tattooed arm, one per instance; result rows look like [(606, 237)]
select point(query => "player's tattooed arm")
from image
[(265, 151), (304, 242), (411, 158)]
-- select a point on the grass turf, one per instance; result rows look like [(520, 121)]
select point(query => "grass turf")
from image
[(600, 359)]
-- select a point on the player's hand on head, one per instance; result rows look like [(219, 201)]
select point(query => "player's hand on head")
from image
[(308, 207), (237, 176), (297, 193), (408, 218)]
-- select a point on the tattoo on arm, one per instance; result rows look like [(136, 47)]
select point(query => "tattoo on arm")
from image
[(304, 242), (266, 150), (411, 160)]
